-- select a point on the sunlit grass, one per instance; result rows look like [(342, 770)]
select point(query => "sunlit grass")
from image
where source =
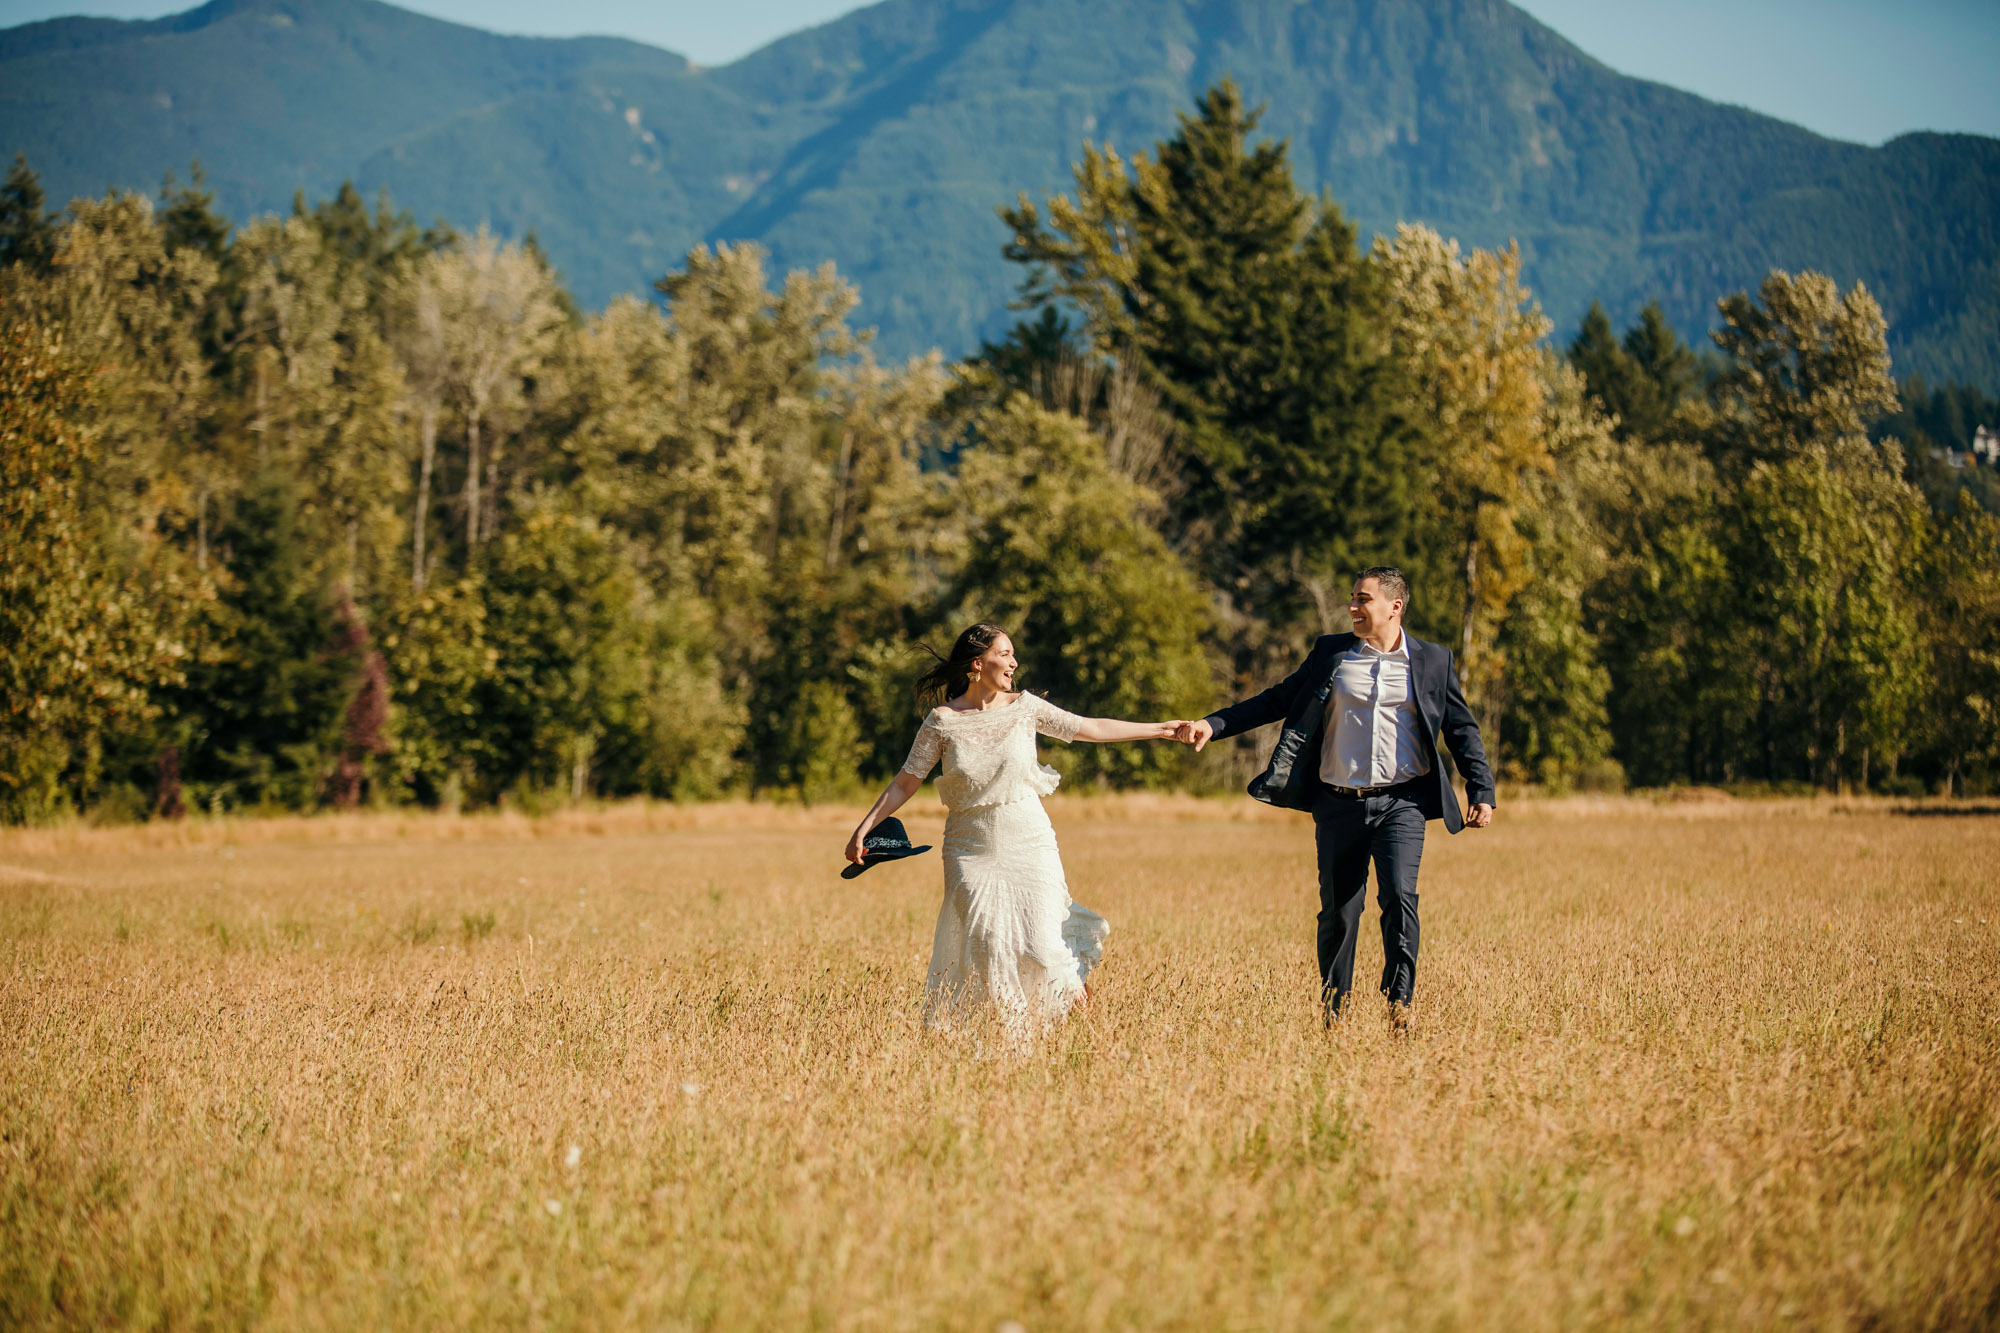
[(658, 1067)]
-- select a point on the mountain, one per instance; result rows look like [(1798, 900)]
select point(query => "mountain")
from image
[(884, 140)]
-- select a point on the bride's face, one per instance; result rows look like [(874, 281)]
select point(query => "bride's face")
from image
[(995, 666)]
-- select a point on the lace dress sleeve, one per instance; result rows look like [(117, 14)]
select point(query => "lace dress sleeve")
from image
[(1054, 722), (926, 750)]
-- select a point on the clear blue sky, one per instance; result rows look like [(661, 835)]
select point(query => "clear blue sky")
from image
[(1865, 70)]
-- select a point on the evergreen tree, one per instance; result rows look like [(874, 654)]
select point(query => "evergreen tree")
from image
[(259, 719), (188, 218), (1669, 365), (382, 241), (568, 623), (1642, 380), (1030, 349), (1250, 310), (27, 233), (1609, 370)]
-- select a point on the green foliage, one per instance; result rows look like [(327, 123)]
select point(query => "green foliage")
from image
[(1816, 561), (259, 717), (568, 650), (1553, 725), (1945, 417), (1247, 306), (1765, 610), (1640, 382), (1821, 530), (1469, 334), (553, 667), (1760, 621), (188, 220), (1959, 616), (1654, 613), (827, 743), (439, 663), (326, 508), (1807, 375), (1059, 552), (384, 238), (1551, 716), (88, 624), (27, 231)]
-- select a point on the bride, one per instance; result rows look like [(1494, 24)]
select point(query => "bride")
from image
[(1008, 932)]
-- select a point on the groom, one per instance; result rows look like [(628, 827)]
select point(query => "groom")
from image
[(1363, 715)]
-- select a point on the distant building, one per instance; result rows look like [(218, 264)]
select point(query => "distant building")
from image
[(1985, 449)]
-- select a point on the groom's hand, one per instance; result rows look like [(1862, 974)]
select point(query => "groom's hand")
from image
[(1480, 816), (1195, 733)]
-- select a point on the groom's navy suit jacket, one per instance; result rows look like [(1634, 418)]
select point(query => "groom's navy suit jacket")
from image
[(1292, 778)]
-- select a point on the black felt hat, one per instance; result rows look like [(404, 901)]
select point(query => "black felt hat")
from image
[(887, 843)]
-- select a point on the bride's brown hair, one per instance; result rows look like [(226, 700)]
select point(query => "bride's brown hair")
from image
[(952, 675)]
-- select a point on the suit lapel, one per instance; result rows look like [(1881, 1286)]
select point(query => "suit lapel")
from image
[(1423, 657)]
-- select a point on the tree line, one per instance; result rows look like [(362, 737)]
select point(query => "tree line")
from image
[(331, 509)]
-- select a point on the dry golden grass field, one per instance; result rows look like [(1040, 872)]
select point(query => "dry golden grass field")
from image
[(1675, 1065)]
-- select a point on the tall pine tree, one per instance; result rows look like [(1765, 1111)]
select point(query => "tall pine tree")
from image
[(1247, 305), (27, 233), (1641, 380)]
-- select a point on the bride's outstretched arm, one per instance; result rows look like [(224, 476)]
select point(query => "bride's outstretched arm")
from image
[(1111, 729), (900, 789)]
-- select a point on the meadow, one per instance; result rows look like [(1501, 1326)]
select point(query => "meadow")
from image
[(1704, 1063)]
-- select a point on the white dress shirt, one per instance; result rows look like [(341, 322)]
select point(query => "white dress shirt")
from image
[(1374, 734)]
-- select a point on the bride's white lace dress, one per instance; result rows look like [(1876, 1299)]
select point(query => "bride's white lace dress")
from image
[(1008, 932)]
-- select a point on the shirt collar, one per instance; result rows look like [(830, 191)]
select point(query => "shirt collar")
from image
[(1401, 652)]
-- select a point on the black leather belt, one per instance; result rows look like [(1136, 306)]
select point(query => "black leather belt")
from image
[(1360, 793)]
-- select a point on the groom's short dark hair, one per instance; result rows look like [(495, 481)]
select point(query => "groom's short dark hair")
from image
[(1394, 586)]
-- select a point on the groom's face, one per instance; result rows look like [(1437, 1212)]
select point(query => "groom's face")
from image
[(1371, 610)]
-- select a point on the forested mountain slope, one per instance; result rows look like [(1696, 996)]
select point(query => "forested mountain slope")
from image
[(884, 140)]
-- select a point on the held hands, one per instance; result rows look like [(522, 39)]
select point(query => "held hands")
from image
[(1196, 734)]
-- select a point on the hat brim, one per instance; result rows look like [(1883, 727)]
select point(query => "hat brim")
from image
[(885, 854)]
